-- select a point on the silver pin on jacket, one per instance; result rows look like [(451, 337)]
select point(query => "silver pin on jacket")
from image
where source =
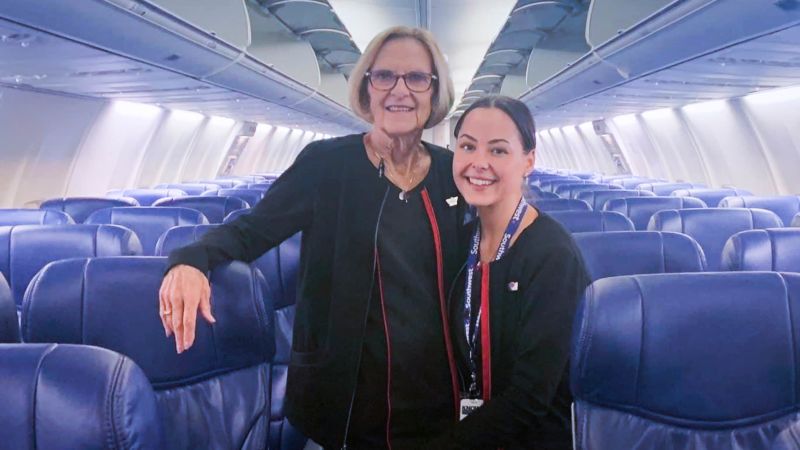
[(513, 286), (452, 201)]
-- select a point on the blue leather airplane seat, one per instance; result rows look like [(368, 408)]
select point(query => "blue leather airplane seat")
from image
[(79, 208), (634, 182), (9, 322), (585, 221), (667, 188), (251, 196), (711, 197), (641, 209), (67, 397), (597, 199), (789, 439), (25, 249), (149, 223), (214, 208), (221, 184), (552, 185), (711, 227), (560, 204), (776, 249), (215, 395), (260, 186), (534, 196), (639, 252), (697, 361), (785, 206), (145, 197), (189, 188), (572, 190), (19, 216)]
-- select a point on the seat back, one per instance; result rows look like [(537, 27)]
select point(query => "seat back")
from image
[(785, 206), (79, 208), (216, 394), (9, 325), (560, 204), (671, 361), (639, 252), (189, 188), (634, 182), (584, 221), (711, 227), (796, 221), (25, 249), (65, 397), (149, 223), (260, 186), (789, 439), (145, 197), (19, 216), (550, 185), (641, 209), (251, 196), (214, 208), (711, 197), (667, 188), (574, 190), (598, 198), (776, 249), (221, 184)]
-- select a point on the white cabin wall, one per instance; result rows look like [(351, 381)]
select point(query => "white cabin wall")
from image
[(167, 150), (41, 134)]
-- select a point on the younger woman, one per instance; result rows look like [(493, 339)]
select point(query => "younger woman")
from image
[(512, 319)]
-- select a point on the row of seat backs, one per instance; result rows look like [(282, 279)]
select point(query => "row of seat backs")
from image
[(700, 361), (214, 395)]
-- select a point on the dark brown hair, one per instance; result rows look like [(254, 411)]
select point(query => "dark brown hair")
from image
[(514, 109)]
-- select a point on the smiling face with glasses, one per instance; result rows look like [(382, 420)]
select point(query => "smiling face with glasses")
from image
[(401, 108)]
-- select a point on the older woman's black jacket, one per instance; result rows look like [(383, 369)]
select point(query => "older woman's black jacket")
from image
[(326, 195)]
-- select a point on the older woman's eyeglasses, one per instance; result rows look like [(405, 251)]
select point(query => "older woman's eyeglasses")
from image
[(386, 80)]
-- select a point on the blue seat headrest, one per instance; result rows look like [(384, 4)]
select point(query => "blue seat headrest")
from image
[(789, 439), (583, 221), (9, 325), (214, 208), (641, 209), (561, 204), (236, 214), (145, 197), (79, 208), (711, 197), (63, 397), (10, 217), (597, 199), (181, 236), (113, 303), (668, 359), (775, 249), (25, 249), (220, 184), (638, 252), (785, 206), (189, 188), (711, 227), (149, 223), (251, 196), (667, 188), (796, 221)]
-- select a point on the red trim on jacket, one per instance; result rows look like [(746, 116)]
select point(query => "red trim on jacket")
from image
[(388, 355), (437, 240), (486, 342)]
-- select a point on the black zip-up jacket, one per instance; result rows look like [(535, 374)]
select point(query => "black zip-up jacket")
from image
[(325, 195)]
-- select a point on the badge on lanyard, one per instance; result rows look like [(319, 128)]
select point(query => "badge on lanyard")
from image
[(473, 394), (468, 405)]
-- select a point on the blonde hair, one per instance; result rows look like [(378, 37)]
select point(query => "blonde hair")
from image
[(443, 92)]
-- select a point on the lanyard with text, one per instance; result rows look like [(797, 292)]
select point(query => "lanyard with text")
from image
[(472, 332)]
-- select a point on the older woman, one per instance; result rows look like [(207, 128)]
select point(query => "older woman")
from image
[(372, 362)]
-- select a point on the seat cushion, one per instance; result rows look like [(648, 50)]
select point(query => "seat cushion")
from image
[(776, 249), (640, 210), (10, 217), (79, 208), (638, 252), (712, 227), (785, 206), (25, 249), (149, 223), (671, 361), (64, 397), (216, 394), (583, 221), (214, 208)]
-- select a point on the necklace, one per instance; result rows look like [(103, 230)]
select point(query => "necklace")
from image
[(404, 193)]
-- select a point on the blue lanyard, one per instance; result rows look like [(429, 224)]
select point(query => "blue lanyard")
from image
[(472, 263)]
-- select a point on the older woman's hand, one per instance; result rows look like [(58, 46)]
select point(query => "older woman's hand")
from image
[(183, 290)]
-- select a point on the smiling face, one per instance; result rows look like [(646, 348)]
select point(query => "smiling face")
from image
[(489, 161), (400, 111)]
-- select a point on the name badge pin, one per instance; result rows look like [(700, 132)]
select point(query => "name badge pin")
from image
[(452, 201), (513, 286)]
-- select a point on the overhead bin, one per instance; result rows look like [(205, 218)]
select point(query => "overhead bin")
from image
[(195, 45)]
